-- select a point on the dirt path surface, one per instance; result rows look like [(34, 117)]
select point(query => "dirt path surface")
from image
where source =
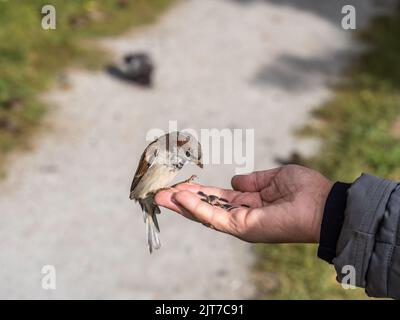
[(223, 64)]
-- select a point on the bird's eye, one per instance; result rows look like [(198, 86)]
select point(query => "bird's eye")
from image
[(187, 154)]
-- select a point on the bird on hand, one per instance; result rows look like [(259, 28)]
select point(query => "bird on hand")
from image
[(158, 166)]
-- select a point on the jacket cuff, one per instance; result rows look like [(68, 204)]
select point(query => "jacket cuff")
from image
[(369, 236), (332, 221)]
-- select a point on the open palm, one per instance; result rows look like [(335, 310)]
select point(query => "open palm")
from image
[(280, 205)]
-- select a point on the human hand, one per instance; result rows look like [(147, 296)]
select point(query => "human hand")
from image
[(286, 204)]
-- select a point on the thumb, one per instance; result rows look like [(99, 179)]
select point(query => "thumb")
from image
[(255, 181)]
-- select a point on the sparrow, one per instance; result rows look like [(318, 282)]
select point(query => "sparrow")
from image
[(158, 166)]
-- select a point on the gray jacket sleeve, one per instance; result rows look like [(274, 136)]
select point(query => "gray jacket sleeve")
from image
[(370, 236)]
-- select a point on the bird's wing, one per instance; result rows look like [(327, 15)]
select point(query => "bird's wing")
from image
[(144, 165)]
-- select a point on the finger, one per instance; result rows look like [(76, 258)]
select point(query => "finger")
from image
[(253, 182), (215, 217), (165, 199)]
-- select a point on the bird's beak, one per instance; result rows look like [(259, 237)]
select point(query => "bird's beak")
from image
[(199, 164)]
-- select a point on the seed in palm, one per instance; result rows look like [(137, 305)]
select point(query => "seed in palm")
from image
[(217, 201)]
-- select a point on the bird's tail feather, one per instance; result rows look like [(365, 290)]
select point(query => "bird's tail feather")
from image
[(150, 211), (152, 231)]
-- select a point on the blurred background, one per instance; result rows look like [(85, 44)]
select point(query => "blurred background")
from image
[(74, 116)]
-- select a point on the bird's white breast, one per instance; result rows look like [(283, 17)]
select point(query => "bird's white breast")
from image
[(157, 177)]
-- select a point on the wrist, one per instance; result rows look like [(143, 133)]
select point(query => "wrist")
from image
[(322, 196)]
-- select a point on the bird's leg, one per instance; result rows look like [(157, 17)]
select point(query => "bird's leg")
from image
[(162, 189), (193, 177), (190, 180)]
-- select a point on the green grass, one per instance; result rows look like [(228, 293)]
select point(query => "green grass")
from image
[(31, 58), (297, 274), (359, 131)]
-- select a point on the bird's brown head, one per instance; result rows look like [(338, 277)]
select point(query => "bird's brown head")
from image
[(189, 148)]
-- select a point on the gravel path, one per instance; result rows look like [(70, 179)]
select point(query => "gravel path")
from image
[(222, 64)]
